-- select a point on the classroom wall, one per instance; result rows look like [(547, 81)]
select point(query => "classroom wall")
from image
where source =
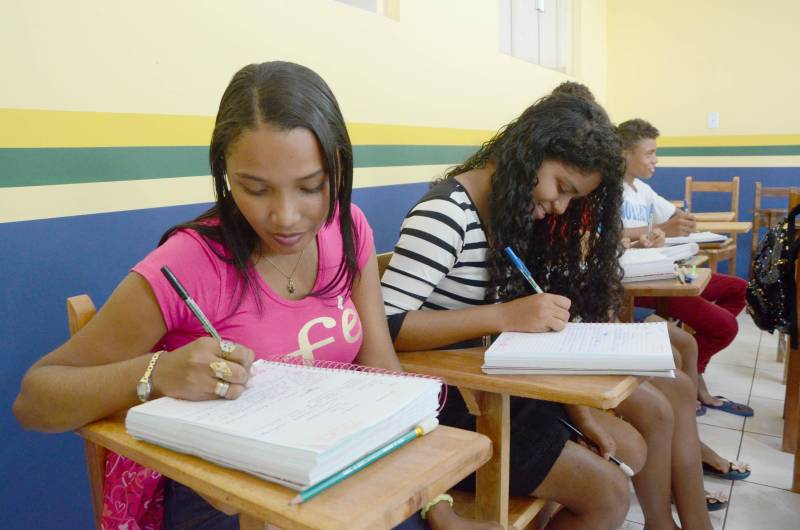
[(672, 62), (106, 110)]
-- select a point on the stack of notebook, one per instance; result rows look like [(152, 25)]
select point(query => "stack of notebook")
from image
[(645, 264), (698, 238), (597, 349), (295, 424)]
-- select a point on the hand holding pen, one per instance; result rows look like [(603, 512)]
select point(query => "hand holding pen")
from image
[(206, 368), (536, 313)]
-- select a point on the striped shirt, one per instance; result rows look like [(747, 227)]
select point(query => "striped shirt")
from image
[(439, 261)]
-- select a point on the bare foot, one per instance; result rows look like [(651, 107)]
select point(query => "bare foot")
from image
[(442, 517)]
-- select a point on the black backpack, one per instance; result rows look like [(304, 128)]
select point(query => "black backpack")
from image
[(771, 291)]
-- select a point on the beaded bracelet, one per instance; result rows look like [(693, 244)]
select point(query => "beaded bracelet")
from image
[(436, 500)]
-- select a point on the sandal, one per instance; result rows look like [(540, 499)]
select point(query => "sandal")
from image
[(731, 407), (700, 411), (716, 501), (736, 471)]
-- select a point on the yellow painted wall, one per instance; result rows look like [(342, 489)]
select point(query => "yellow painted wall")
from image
[(438, 65), (673, 61)]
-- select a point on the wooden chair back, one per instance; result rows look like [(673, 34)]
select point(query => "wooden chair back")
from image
[(80, 310), (765, 217), (383, 261), (697, 186)]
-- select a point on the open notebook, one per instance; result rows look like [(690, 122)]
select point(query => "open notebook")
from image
[(636, 349), (696, 237), (644, 264), (295, 424)]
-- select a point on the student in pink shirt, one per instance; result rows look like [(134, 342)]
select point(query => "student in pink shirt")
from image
[(282, 264)]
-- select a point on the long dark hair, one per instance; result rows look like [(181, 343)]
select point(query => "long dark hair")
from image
[(287, 96), (575, 254)]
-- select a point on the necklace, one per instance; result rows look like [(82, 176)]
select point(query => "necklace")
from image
[(290, 282)]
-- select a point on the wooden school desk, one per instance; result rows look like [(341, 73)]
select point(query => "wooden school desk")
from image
[(724, 227), (378, 497), (661, 289), (487, 397)]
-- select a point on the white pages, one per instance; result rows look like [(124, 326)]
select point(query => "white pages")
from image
[(637, 349), (696, 237), (645, 264), (294, 425)]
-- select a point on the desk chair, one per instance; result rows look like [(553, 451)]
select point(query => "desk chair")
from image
[(791, 405), (727, 251), (80, 310), (417, 474), (767, 218)]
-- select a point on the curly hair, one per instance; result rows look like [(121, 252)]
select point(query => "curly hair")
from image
[(575, 89), (632, 131), (575, 254)]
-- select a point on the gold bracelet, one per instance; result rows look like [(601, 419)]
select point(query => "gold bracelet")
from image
[(436, 500)]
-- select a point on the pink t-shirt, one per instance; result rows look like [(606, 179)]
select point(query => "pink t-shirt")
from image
[(324, 328)]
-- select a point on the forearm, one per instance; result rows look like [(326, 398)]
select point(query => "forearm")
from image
[(427, 330), (56, 398), (634, 233)]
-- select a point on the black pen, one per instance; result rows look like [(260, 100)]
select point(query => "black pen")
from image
[(622, 465), (181, 290)]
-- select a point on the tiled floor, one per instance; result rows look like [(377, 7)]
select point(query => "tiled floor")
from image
[(747, 372)]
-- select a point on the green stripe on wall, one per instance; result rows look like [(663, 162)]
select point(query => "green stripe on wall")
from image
[(48, 166), (740, 150)]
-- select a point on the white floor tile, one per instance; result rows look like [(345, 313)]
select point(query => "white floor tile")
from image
[(739, 353), (724, 379), (724, 419), (630, 525), (754, 506), (769, 465), (767, 362), (724, 442), (768, 417), (768, 384)]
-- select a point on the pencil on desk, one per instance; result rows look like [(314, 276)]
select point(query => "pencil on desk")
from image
[(420, 430)]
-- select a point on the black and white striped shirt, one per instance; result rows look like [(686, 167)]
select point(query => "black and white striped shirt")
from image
[(439, 262)]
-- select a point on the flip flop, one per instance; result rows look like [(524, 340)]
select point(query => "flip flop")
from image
[(701, 411), (731, 407), (737, 471), (715, 502)]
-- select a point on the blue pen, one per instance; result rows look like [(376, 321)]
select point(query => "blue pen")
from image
[(527, 274), (523, 269)]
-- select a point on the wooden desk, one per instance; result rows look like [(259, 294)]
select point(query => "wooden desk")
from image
[(487, 397), (714, 216), (379, 497), (661, 289), (724, 227)]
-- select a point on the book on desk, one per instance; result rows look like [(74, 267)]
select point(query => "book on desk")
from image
[(295, 424), (585, 349), (646, 264), (697, 237)]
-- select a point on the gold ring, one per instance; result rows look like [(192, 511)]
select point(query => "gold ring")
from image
[(221, 389), (221, 369), (227, 348)]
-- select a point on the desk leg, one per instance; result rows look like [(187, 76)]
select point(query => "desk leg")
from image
[(626, 311), (791, 414), (491, 495)]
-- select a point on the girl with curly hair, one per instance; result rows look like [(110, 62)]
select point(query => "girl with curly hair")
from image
[(549, 184)]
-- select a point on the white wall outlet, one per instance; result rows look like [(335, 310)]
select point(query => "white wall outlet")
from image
[(713, 120)]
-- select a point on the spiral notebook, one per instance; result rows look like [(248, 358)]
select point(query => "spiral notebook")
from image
[(295, 424), (585, 349)]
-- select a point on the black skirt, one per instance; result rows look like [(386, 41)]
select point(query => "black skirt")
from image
[(537, 438)]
